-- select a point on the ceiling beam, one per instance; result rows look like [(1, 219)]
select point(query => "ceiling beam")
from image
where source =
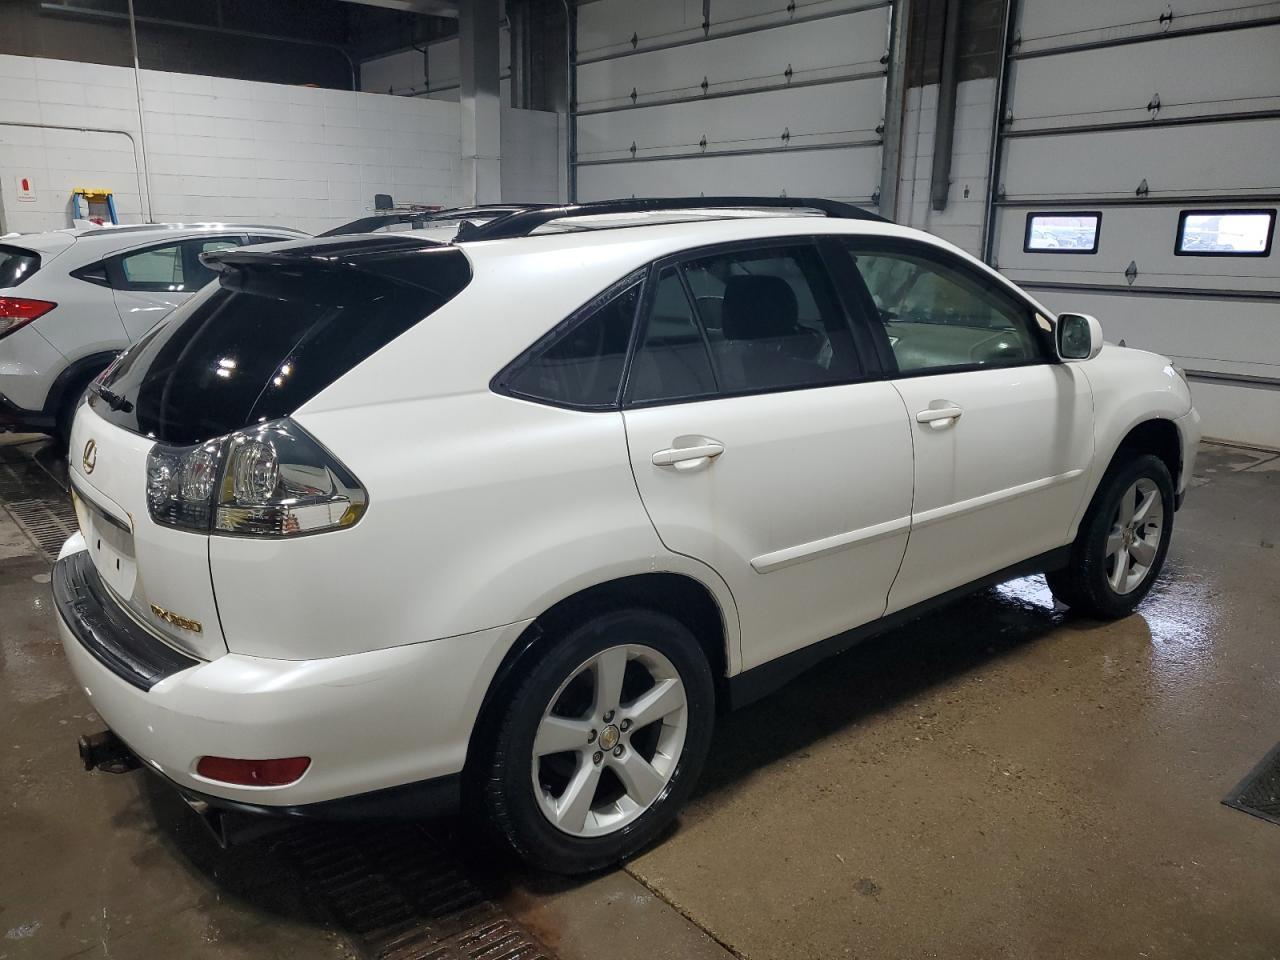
[(433, 8)]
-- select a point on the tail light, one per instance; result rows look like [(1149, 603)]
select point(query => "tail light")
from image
[(272, 480), (17, 312)]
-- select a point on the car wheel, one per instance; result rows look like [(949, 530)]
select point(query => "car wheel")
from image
[(601, 742), (1121, 546), (67, 414)]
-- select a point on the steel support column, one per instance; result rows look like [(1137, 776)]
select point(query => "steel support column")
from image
[(481, 102)]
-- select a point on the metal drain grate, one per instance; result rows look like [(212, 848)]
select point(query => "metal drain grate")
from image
[(40, 506), (1258, 794), (399, 896)]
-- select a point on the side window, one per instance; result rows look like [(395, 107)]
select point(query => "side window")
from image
[(672, 361), (772, 320), (580, 366), (159, 268), (197, 274), (941, 316)]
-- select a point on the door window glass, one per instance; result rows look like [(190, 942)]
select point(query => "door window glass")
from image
[(772, 320), (672, 361), (940, 316), (159, 268), (583, 365), (197, 274)]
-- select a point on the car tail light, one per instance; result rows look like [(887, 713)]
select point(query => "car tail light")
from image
[(253, 773), (272, 480), (16, 312)]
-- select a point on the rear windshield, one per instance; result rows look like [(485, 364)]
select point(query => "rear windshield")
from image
[(16, 265), (265, 339)]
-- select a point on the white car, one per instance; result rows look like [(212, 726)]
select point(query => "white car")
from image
[(375, 523), (70, 300)]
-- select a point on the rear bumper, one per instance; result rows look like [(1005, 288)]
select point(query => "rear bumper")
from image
[(387, 731), (16, 419)]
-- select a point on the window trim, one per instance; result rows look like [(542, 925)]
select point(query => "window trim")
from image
[(871, 367), (1086, 251), (1178, 236), (999, 286), (499, 382), (117, 279)]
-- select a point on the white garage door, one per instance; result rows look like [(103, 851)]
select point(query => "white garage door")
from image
[(1158, 129), (767, 97)]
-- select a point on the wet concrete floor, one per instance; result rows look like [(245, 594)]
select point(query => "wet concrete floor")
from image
[(996, 780)]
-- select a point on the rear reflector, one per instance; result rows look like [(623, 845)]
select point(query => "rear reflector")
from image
[(17, 312), (253, 773)]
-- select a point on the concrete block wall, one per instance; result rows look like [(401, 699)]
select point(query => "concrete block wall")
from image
[(961, 221), (219, 149)]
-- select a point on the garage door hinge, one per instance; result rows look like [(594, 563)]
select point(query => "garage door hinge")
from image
[(788, 73), (1153, 105), (791, 8), (786, 134), (705, 84), (633, 95), (1166, 18), (1143, 189), (633, 149), (1131, 272), (635, 40), (875, 197), (703, 143)]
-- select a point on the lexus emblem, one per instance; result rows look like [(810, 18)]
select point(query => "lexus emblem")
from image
[(89, 459)]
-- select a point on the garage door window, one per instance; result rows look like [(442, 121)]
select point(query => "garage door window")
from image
[(941, 316), (1073, 232), (1225, 233)]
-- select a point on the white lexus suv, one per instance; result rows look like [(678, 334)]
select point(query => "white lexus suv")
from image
[(70, 300), (377, 523)]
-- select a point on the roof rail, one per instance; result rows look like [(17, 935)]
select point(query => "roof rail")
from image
[(380, 220), (522, 222)]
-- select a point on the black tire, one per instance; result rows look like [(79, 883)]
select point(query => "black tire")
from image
[(67, 412), (1083, 585), (505, 772)]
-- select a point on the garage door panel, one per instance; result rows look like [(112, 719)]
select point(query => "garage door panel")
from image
[(851, 173), (1145, 236), (1226, 159), (1117, 83), (839, 112), (606, 27), (823, 49), (1188, 331), (1045, 24)]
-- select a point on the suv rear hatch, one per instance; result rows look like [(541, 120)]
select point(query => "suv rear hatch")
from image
[(278, 327)]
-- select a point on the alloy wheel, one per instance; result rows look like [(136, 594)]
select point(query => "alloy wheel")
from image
[(1134, 540), (609, 741)]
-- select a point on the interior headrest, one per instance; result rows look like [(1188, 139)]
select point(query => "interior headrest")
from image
[(758, 307)]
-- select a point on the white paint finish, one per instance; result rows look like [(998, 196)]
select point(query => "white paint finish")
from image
[(817, 49), (225, 149), (1115, 84), (984, 501), (792, 492), (1044, 24), (841, 174), (239, 706), (158, 564)]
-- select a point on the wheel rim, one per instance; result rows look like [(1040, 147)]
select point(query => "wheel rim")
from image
[(609, 741), (1134, 540)]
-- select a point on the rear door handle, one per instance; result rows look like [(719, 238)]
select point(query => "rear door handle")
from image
[(946, 410), (704, 450)]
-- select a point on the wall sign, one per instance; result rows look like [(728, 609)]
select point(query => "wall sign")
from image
[(26, 189)]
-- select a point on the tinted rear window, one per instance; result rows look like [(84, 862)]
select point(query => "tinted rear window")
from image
[(267, 338), (16, 265)]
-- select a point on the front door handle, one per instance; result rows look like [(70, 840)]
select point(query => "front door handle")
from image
[(944, 410), (701, 450)]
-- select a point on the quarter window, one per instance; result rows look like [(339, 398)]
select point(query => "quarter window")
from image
[(1225, 233), (159, 268), (938, 316), (580, 366)]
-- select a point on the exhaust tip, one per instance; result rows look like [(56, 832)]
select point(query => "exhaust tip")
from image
[(107, 752)]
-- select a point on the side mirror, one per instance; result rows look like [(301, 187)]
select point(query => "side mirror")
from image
[(1078, 335)]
